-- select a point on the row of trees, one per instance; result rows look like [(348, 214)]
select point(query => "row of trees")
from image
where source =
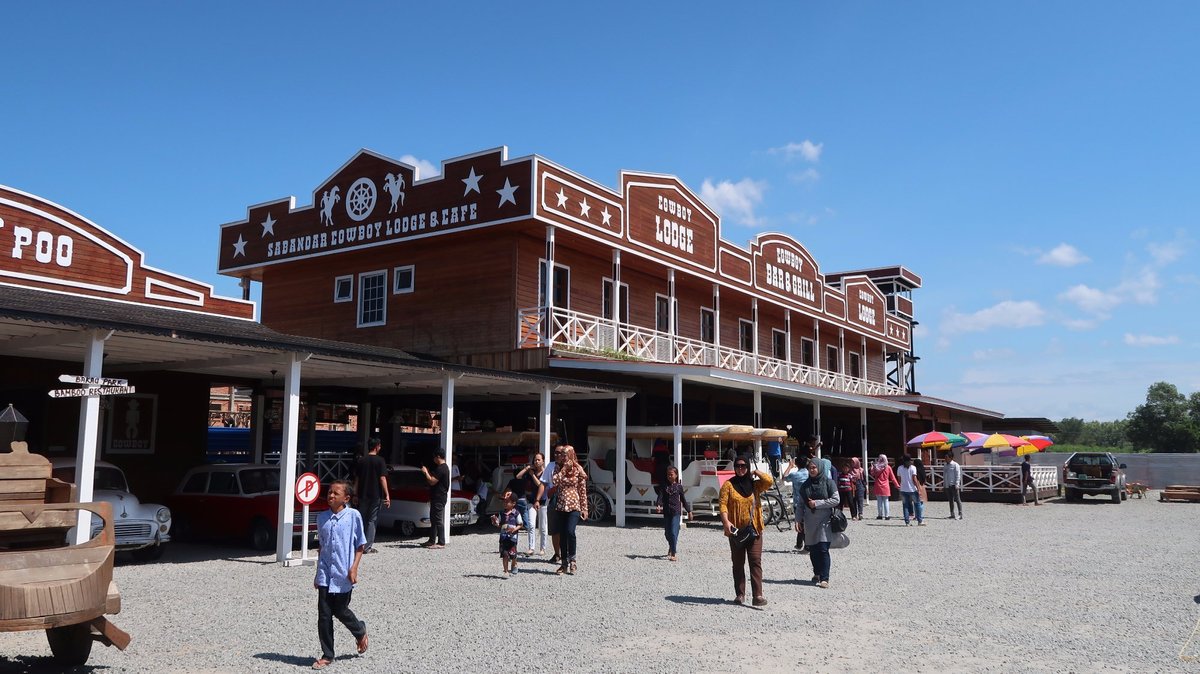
[(1167, 422)]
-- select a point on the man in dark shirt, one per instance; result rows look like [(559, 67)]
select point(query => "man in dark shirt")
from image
[(1027, 482), (439, 493), (370, 486)]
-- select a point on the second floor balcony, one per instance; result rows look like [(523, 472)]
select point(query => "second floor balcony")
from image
[(593, 336)]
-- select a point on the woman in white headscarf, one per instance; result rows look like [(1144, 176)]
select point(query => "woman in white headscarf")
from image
[(883, 477)]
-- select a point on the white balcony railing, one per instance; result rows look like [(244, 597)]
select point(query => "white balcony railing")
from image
[(594, 336)]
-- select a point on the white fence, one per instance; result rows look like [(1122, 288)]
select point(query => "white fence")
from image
[(998, 480), (592, 335)]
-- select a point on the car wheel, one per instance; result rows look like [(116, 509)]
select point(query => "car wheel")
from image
[(262, 536), (407, 529), (1116, 495), (149, 553), (1124, 495), (71, 645), (598, 508)]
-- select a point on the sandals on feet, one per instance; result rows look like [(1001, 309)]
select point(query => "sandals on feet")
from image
[(321, 663)]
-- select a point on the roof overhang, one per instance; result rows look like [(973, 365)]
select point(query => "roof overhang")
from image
[(946, 404), (52, 326), (712, 376)]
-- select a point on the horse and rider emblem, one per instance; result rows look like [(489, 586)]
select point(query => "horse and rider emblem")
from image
[(394, 186)]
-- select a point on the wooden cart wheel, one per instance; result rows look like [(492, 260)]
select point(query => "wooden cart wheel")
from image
[(71, 644)]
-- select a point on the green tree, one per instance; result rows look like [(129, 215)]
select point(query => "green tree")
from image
[(1165, 422), (1069, 430)]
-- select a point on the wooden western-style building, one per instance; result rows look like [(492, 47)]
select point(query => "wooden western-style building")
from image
[(526, 266)]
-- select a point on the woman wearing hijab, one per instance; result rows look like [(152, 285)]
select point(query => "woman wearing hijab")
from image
[(740, 508), (572, 504), (883, 478), (860, 487), (818, 498)]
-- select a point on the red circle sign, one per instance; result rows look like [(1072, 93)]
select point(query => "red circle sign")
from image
[(308, 488)]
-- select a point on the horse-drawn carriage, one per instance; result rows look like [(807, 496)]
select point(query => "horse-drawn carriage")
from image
[(45, 583), (706, 465)]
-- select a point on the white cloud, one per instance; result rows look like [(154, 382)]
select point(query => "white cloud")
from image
[(806, 150), (734, 200), (1091, 300), (425, 169), (1150, 340), (993, 354), (809, 175), (1141, 288), (1063, 255), (1006, 314), (1081, 323)]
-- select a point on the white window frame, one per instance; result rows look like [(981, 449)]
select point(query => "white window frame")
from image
[(710, 312), (813, 348), (836, 360), (337, 282), (776, 334), (411, 269), (854, 358), (748, 348), (361, 279), (541, 298), (624, 318)]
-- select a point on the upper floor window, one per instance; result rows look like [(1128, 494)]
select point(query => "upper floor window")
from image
[(662, 317), (372, 298), (855, 365), (708, 326), (745, 335), (607, 300), (831, 359), (562, 286), (808, 352), (343, 289), (779, 344), (403, 279)]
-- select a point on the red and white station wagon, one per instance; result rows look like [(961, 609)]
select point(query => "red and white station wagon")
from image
[(410, 503), (234, 500)]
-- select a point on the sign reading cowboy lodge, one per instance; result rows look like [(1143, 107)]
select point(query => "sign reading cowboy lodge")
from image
[(373, 200)]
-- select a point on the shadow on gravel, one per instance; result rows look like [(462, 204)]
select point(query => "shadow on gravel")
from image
[(658, 557), (488, 576), (190, 553), (297, 660), (36, 665), (793, 581), (696, 601)]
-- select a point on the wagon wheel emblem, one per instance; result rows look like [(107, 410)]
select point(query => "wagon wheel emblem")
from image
[(360, 199)]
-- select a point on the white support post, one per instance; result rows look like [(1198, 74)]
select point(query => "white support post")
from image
[(619, 474), (842, 356), (787, 328), (671, 327), (754, 337), (717, 315), (817, 423), (448, 447), (758, 424), (287, 457), (89, 430), (677, 419), (616, 300), (862, 421), (549, 298), (544, 425)]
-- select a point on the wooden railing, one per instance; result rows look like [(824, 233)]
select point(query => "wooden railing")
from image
[(595, 336), (997, 479)]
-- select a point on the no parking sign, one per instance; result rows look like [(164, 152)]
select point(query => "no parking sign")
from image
[(308, 488)]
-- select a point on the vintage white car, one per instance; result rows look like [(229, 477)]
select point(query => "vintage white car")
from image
[(410, 503), (142, 528)]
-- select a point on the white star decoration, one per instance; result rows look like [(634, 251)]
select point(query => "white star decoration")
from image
[(562, 198), (605, 215), (472, 182), (239, 247), (506, 193), (268, 226), (584, 209)]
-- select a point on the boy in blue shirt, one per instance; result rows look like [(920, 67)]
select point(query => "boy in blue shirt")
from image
[(341, 537)]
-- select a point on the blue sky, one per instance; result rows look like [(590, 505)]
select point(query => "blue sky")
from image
[(1034, 162)]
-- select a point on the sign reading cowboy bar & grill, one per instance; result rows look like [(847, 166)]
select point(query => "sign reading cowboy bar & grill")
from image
[(373, 200)]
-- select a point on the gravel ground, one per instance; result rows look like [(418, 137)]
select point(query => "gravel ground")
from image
[(1064, 587)]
